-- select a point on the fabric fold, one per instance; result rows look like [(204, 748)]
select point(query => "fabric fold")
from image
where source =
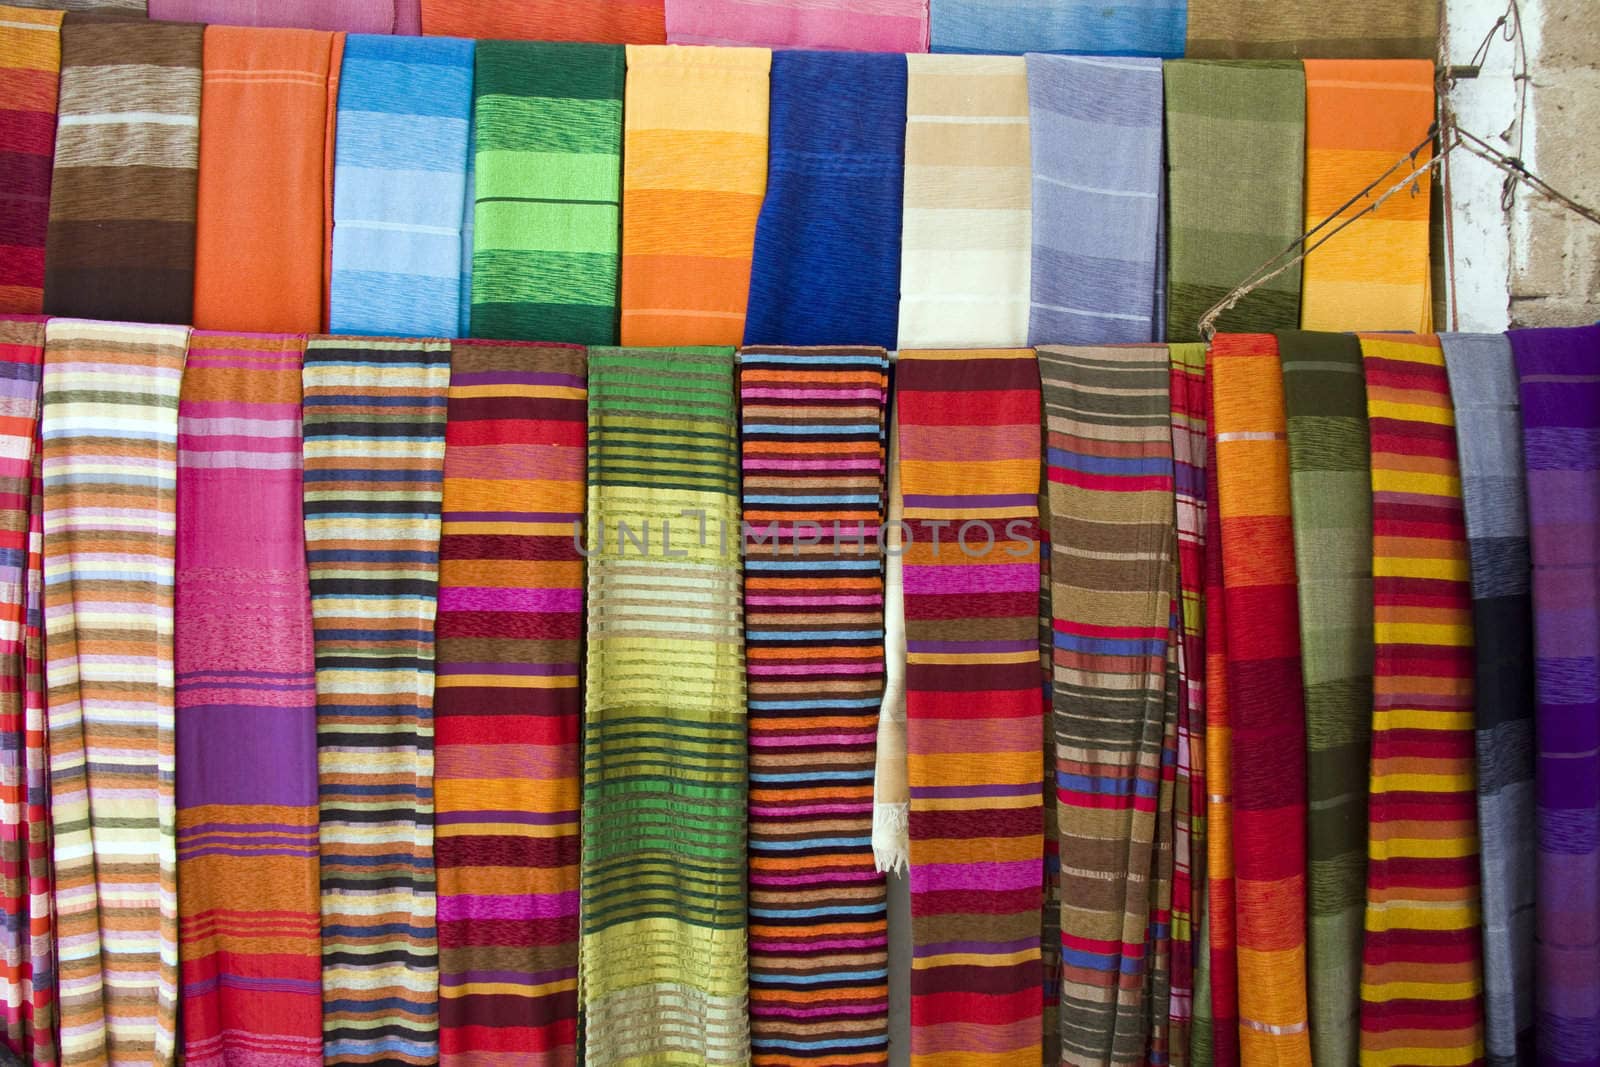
[(30, 73), (846, 25), (891, 795), (1340, 29), (351, 16), (1144, 28), (601, 21)]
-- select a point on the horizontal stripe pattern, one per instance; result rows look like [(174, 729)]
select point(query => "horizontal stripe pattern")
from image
[(30, 73)]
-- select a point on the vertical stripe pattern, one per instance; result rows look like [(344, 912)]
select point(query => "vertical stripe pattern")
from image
[(30, 70)]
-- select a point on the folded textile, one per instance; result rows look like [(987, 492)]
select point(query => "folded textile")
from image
[(847, 25), (30, 70), (694, 172), (110, 459), (1421, 974), (827, 249), (1095, 128), (602, 21), (665, 779), (1558, 375), (1235, 163), (1083, 27), (258, 223), (118, 8), (246, 710), (1483, 391), (1216, 1038), (548, 136), (1330, 485), (891, 795), (1362, 116), (374, 427), (329, 152), (122, 200), (1338, 29), (407, 18), (965, 240), (969, 420), (353, 16), (400, 185)]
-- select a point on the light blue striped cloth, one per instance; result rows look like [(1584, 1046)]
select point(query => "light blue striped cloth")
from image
[(1095, 125), (400, 186), (1077, 27)]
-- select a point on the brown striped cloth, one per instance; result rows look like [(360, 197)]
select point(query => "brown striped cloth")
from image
[(124, 8), (120, 243)]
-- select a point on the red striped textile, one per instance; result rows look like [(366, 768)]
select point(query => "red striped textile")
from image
[(1221, 893), (30, 70)]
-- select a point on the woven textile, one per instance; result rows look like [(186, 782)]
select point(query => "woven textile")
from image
[(826, 266), (1095, 126), (27, 930), (508, 705), (258, 226), (246, 710), (965, 242), (122, 200), (548, 146), (891, 795), (110, 428), (1226, 218), (30, 68), (663, 965), (849, 25), (1138, 28), (969, 458), (1558, 374), (605, 21), (1218, 1042), (400, 185), (1483, 389), (1325, 400), (1421, 974), (374, 456), (1340, 29), (1362, 116), (694, 172), (354, 16), (123, 8)]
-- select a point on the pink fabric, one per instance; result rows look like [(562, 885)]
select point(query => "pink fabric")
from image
[(408, 17), (352, 16), (845, 25)]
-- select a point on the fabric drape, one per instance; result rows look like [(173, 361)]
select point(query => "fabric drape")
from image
[(1340, 29), (400, 185), (693, 175), (353, 16), (970, 468), (826, 266), (249, 926), (1236, 164), (1095, 127), (1153, 28), (548, 146), (602, 21), (374, 427), (812, 432), (1483, 389), (891, 794), (1421, 975), (508, 705), (30, 72), (1558, 376), (119, 8), (258, 224), (663, 961), (110, 430), (122, 201), (1218, 1042), (848, 25)]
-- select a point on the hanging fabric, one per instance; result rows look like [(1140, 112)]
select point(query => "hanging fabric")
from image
[(120, 8), (508, 704), (1558, 374), (329, 164), (663, 960), (602, 21), (1153, 28), (1483, 390), (249, 926), (30, 70), (400, 185), (892, 26), (122, 199), (1050, 946), (353, 16), (891, 795), (1340, 29), (374, 456), (812, 433), (548, 148), (970, 420), (1421, 976), (826, 266), (110, 433)]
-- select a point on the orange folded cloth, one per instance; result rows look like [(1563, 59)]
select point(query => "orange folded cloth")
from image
[(604, 21)]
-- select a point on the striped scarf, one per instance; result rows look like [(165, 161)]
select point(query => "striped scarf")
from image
[(663, 964), (1483, 389), (1363, 29), (27, 937), (548, 136), (353, 16), (1109, 439), (1081, 26), (1421, 974), (893, 26), (122, 201), (110, 427), (508, 703), (374, 458), (813, 431), (606, 21), (30, 68), (973, 713), (1325, 401), (1558, 374), (246, 710)]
